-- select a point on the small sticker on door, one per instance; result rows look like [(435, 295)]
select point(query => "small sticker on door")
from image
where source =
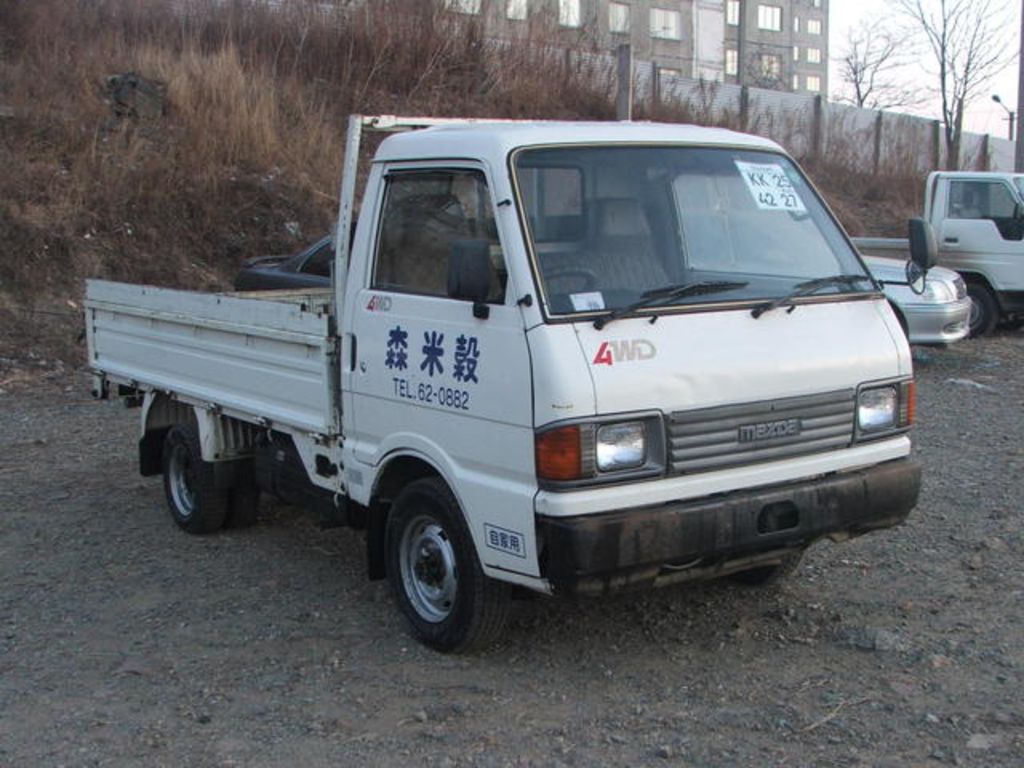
[(504, 540), (770, 187)]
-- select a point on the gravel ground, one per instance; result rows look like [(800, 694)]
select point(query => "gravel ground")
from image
[(126, 642)]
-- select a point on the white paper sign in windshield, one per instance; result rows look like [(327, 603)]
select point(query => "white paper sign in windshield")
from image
[(770, 187)]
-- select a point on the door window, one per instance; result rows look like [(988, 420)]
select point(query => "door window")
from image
[(986, 200), (425, 213)]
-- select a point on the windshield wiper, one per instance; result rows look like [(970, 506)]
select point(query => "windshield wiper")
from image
[(666, 293), (806, 288)]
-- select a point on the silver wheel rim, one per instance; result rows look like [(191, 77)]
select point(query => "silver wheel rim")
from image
[(974, 319), (178, 480), (429, 573)]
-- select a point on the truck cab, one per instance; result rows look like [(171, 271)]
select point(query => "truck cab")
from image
[(621, 402), (979, 221)]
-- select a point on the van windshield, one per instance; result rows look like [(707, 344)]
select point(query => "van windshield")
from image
[(609, 225)]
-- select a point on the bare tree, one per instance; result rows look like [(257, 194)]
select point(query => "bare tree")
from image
[(969, 42), (869, 69)]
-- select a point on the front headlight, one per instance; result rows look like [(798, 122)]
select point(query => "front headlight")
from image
[(886, 408), (621, 446), (939, 291), (876, 409), (578, 453)]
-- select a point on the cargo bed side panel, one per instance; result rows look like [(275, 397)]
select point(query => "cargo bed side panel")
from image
[(258, 358)]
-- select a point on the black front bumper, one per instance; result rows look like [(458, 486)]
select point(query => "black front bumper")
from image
[(636, 547)]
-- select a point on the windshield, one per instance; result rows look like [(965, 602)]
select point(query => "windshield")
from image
[(611, 224), (1018, 182)]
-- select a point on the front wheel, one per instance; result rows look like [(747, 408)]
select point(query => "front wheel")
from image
[(984, 309), (435, 573)]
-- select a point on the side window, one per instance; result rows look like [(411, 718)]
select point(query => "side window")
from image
[(425, 212), (320, 262), (985, 200)]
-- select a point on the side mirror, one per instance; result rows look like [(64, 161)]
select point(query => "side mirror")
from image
[(923, 253), (923, 249), (469, 274), (1018, 212)]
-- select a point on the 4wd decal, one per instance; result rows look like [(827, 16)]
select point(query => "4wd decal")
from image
[(624, 351), (379, 304)]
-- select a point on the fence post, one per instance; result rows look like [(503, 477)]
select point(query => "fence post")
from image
[(624, 94), (936, 146), (655, 88), (817, 132), (744, 107), (878, 142)]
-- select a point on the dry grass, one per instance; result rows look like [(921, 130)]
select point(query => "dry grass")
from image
[(252, 135)]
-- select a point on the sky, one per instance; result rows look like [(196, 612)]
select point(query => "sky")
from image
[(983, 116)]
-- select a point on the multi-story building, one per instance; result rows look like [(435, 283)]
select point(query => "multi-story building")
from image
[(785, 42), (780, 44)]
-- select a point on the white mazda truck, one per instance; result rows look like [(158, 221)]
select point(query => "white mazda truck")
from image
[(567, 357)]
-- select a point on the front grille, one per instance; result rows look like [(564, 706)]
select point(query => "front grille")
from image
[(735, 435)]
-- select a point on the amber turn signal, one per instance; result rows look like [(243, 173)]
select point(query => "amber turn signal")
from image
[(558, 454)]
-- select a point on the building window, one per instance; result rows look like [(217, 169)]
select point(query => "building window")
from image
[(796, 82), (732, 13), (618, 18), (516, 10), (796, 23), (816, 3), (771, 66), (666, 24), (813, 26), (732, 61), (813, 83), (814, 55), (796, 53), (569, 13), (769, 17), (664, 72), (463, 6)]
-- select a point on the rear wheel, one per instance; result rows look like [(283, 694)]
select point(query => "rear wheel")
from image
[(984, 309), (196, 504), (435, 573)]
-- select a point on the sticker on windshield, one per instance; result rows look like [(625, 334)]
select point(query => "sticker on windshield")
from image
[(587, 302), (770, 187)]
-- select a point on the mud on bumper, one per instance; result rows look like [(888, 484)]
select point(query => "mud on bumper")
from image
[(704, 538)]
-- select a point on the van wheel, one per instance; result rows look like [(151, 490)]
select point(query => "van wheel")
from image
[(984, 309), (767, 575), (435, 573), (196, 504)]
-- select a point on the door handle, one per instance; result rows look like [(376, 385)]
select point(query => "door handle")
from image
[(951, 240)]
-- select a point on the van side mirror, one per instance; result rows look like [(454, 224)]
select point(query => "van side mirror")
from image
[(469, 274)]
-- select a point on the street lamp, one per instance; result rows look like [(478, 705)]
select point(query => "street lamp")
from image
[(1010, 114)]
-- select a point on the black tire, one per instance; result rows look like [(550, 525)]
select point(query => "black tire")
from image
[(984, 309), (768, 575), (196, 504), (435, 573)]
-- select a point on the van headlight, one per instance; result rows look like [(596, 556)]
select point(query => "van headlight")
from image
[(577, 453), (876, 409), (621, 446), (886, 408)]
